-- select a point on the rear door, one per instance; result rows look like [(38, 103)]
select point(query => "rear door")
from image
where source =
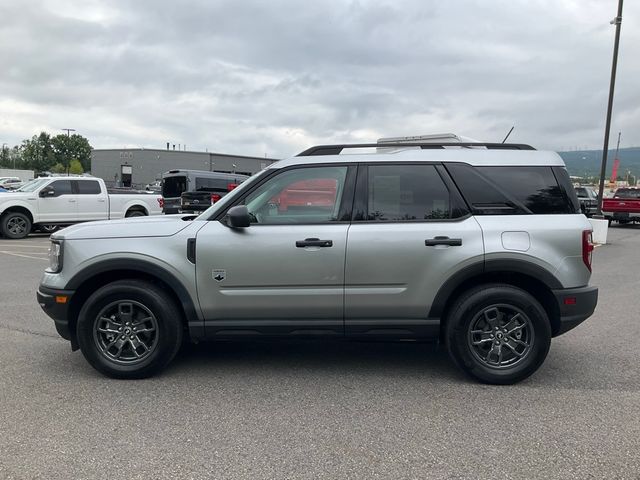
[(284, 274), (61, 206), (92, 202), (411, 231)]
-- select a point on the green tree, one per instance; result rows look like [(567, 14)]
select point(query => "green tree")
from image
[(58, 168), (69, 147), (75, 167), (37, 153)]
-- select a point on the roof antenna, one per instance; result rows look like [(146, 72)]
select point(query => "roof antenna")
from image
[(505, 138)]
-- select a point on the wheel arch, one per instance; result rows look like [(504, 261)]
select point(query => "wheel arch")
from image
[(90, 279), (19, 209), (531, 278), (136, 207)]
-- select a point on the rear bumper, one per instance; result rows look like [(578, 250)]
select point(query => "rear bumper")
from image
[(576, 305), (50, 299)]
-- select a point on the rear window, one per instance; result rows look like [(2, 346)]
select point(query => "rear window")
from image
[(515, 190), (174, 186), (581, 192), (627, 193), (212, 184)]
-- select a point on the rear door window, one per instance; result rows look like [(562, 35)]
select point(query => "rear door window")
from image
[(88, 187), (403, 193)]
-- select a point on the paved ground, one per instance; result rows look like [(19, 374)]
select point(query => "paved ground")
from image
[(321, 411)]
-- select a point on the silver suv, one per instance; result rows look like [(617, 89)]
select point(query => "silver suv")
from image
[(480, 246)]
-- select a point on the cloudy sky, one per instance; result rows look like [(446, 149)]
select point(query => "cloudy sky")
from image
[(274, 77)]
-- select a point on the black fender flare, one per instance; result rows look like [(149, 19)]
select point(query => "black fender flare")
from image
[(488, 266), (194, 319)]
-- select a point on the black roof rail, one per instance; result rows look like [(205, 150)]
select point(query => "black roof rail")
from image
[(337, 149)]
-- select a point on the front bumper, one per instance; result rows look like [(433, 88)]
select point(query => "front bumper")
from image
[(55, 303), (576, 305)]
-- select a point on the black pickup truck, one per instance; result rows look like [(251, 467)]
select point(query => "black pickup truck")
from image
[(208, 191)]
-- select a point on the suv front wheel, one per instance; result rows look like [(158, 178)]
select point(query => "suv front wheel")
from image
[(498, 334), (129, 329)]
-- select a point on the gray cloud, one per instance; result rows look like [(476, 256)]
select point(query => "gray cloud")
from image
[(274, 77)]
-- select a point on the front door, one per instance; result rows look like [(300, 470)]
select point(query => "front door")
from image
[(284, 274), (59, 207)]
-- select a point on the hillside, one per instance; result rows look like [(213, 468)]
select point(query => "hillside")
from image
[(587, 162)]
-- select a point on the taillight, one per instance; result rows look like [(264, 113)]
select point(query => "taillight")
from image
[(587, 248), (215, 197), (160, 202), (231, 186)]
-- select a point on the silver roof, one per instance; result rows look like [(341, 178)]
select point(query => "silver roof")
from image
[(471, 156)]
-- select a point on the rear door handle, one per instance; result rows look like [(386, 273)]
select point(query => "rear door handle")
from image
[(451, 242), (314, 242)]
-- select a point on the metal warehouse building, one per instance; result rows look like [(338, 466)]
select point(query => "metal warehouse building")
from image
[(137, 167)]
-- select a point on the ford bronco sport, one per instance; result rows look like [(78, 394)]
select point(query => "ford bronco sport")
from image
[(480, 246)]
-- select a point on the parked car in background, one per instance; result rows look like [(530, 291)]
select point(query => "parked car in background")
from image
[(52, 201), (588, 199), (481, 248), (208, 190), (624, 207), (155, 187), (11, 183)]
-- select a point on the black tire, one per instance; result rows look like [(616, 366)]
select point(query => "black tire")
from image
[(475, 344), (160, 334), (135, 213), (15, 225)]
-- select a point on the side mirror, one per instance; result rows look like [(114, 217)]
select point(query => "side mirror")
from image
[(47, 192), (238, 217)]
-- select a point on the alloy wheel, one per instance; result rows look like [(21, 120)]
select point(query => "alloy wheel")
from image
[(126, 332), (500, 336)]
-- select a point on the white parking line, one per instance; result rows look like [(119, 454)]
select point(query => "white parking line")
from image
[(22, 245), (23, 256)]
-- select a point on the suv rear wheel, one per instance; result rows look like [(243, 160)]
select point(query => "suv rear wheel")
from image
[(498, 334), (129, 329)]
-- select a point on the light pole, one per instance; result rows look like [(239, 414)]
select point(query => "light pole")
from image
[(68, 130), (618, 23)]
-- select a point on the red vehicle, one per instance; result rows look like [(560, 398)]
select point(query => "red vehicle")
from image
[(624, 207)]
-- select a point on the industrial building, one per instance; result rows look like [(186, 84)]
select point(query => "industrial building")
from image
[(137, 167)]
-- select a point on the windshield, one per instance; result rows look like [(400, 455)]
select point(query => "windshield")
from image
[(32, 185), (174, 186)]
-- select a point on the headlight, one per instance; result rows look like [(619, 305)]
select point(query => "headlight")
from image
[(55, 256)]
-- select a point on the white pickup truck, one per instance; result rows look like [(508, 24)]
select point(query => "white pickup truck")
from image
[(45, 203)]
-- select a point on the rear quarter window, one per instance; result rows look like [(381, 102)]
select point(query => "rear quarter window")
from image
[(513, 190)]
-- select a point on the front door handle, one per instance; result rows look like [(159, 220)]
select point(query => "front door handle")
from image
[(314, 242), (451, 242)]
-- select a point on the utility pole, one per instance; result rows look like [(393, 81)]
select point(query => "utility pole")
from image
[(618, 23), (68, 130)]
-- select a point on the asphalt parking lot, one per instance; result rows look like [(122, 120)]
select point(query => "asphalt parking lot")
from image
[(314, 410)]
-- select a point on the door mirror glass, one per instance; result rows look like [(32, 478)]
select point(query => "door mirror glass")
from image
[(238, 217)]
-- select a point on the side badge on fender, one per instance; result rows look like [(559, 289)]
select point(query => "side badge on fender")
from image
[(218, 275)]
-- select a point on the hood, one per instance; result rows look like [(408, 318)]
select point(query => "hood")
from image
[(154, 226)]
